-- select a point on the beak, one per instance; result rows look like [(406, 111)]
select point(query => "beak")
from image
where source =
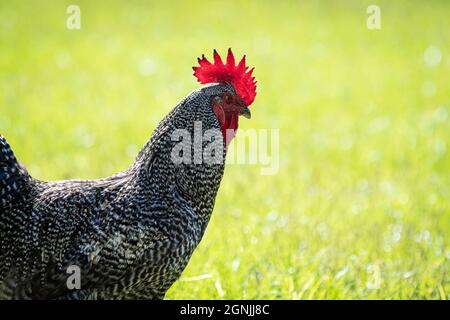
[(245, 111)]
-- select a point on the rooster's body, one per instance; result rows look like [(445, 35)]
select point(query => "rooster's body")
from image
[(131, 235)]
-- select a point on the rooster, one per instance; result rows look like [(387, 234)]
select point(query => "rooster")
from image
[(128, 236)]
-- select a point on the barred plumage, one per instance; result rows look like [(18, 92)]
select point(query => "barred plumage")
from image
[(131, 234)]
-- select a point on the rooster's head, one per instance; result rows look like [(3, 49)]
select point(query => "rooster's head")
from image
[(228, 104)]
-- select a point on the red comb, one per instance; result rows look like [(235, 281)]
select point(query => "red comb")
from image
[(236, 75)]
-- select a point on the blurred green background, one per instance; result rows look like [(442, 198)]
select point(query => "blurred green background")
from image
[(360, 205)]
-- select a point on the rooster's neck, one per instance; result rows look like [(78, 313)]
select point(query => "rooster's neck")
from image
[(165, 178)]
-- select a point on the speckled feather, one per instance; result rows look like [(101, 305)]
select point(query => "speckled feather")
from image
[(131, 234)]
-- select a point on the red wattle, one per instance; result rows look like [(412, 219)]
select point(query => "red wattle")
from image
[(228, 123)]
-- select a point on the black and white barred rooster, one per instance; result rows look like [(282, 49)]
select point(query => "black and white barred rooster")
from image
[(132, 234)]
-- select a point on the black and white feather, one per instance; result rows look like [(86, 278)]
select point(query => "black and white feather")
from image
[(131, 234)]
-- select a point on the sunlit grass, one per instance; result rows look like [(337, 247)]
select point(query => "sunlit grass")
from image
[(360, 205)]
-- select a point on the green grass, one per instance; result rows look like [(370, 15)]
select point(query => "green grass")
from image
[(360, 205)]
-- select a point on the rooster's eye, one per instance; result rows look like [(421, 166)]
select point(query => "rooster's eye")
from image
[(227, 98)]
